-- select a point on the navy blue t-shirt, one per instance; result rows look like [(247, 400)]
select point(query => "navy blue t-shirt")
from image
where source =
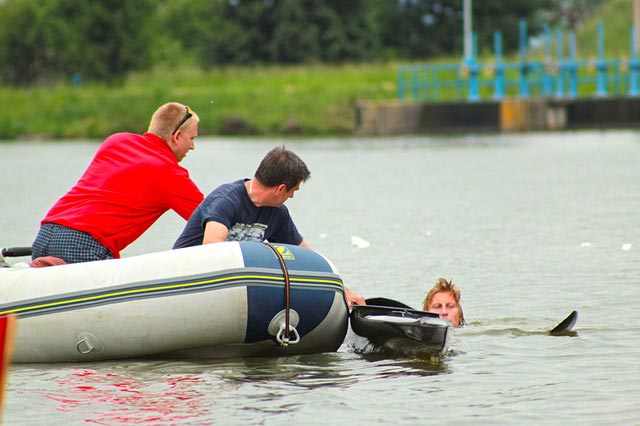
[(230, 205)]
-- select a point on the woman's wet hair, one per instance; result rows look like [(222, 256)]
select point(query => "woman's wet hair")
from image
[(440, 286)]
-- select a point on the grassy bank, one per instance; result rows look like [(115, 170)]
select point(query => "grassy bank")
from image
[(272, 100), (303, 100)]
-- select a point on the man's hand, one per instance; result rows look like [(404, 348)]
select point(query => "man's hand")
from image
[(353, 298)]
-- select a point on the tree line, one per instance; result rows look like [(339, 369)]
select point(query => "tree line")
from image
[(45, 40)]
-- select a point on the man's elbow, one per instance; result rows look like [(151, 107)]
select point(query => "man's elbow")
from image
[(305, 245)]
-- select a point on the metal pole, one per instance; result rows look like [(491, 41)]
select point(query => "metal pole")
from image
[(498, 83), (634, 62), (472, 63), (468, 34), (547, 79), (636, 26), (572, 67), (560, 78), (601, 64), (634, 66), (524, 66)]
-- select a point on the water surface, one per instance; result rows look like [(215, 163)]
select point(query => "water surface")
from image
[(530, 226)]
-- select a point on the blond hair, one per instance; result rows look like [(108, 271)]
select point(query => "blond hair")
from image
[(166, 118), (444, 285)]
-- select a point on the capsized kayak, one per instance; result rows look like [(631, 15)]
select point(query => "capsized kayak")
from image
[(399, 330)]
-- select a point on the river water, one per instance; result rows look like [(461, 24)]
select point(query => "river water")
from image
[(530, 227)]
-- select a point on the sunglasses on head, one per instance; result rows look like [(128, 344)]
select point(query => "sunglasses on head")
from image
[(187, 116)]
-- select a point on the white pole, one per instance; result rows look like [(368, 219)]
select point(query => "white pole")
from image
[(636, 26), (468, 28)]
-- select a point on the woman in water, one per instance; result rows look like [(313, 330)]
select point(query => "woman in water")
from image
[(444, 298)]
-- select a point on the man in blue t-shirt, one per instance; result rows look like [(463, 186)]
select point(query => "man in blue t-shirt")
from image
[(253, 209)]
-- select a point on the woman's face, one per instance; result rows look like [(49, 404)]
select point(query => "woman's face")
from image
[(445, 304)]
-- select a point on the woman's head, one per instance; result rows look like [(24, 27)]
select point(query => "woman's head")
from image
[(444, 298)]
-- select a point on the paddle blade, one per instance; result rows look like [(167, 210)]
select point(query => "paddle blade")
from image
[(564, 328)]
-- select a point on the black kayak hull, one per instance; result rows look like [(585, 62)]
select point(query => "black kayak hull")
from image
[(400, 331)]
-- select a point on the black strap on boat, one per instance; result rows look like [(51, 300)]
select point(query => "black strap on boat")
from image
[(287, 292)]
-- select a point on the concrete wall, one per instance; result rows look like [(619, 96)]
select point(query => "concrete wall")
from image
[(388, 118), (605, 112), (510, 115), (461, 117)]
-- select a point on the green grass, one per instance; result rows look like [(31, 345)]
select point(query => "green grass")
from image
[(617, 19), (306, 100)]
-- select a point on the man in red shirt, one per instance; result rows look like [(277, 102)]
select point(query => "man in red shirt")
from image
[(132, 180)]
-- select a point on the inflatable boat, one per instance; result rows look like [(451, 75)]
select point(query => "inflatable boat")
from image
[(390, 327), (229, 299)]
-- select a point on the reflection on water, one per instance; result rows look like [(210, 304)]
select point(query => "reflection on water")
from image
[(387, 366), (393, 348), (514, 332), (518, 326), (304, 372), (179, 392), (119, 398)]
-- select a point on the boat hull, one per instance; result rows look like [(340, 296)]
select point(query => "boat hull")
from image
[(211, 301)]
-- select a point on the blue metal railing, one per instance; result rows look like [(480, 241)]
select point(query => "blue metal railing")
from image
[(560, 77)]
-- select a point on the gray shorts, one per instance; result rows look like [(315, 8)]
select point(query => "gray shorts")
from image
[(68, 244)]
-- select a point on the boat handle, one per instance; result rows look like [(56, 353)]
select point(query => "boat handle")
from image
[(291, 339), (287, 298), (86, 346)]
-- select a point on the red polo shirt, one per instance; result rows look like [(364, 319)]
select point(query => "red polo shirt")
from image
[(132, 180)]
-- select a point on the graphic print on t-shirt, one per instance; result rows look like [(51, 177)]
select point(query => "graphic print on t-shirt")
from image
[(247, 232)]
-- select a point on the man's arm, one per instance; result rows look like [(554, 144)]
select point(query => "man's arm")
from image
[(214, 232), (353, 298)]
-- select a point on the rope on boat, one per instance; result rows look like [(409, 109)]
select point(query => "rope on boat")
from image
[(285, 339)]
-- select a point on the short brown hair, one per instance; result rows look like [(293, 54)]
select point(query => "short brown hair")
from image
[(282, 166)]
